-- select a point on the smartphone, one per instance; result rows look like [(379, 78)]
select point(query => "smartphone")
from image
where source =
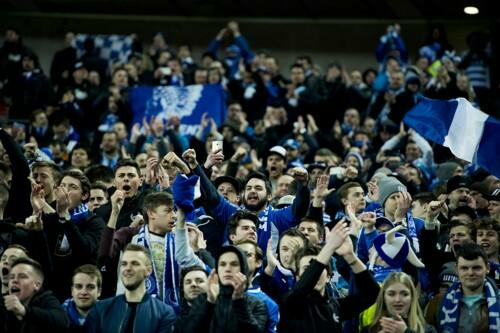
[(165, 70), (216, 146)]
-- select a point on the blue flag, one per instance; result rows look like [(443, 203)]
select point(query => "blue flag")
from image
[(469, 133), (188, 103)]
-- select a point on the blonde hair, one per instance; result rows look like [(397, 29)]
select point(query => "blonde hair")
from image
[(415, 318)]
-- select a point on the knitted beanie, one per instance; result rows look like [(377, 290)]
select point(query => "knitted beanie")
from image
[(387, 186), (358, 157), (445, 171)]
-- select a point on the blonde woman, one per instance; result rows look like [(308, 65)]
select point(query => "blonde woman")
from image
[(397, 309)]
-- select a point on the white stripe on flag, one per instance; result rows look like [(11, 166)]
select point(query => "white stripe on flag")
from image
[(465, 131)]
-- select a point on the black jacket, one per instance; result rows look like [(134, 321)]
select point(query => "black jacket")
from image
[(246, 315), (305, 310), (110, 316), (83, 238), (43, 314)]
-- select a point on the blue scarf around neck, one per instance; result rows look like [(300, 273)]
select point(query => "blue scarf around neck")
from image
[(450, 308)]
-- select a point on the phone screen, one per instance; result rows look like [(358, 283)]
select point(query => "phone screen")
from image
[(216, 146)]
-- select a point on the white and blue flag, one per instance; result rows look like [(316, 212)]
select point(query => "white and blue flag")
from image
[(469, 133), (114, 48), (188, 103)]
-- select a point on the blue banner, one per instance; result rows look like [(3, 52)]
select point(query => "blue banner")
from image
[(188, 103)]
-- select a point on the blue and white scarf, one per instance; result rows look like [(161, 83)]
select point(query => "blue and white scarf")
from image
[(450, 308), (73, 314), (171, 277), (412, 232), (80, 213)]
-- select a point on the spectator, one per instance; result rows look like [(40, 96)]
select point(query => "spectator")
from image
[(136, 309), (232, 309), (471, 304), (85, 291), (397, 307), (28, 307)]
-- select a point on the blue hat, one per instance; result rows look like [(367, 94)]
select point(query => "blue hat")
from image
[(292, 144), (394, 248)]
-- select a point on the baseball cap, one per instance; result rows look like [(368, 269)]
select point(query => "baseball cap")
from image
[(278, 150), (228, 179)]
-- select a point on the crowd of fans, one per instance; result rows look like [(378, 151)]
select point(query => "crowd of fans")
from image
[(313, 208)]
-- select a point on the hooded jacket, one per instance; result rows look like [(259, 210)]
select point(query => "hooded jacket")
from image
[(306, 310), (247, 314)]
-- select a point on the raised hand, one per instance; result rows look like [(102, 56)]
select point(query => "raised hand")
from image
[(213, 158), (239, 282), (368, 220), (239, 154), (403, 203), (190, 157), (37, 197), (62, 201), (32, 223), (151, 165), (322, 191), (373, 191), (117, 200), (337, 235), (213, 287), (300, 174)]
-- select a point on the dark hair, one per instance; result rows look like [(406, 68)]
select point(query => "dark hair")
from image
[(127, 163), (33, 263), (259, 254), (187, 270), (84, 181), (344, 189), (260, 176), (487, 223), (464, 210), (99, 185), (239, 215), (472, 251), (296, 65), (307, 58), (470, 228), (319, 226), (90, 270), (138, 248), (99, 173), (154, 200), (424, 197), (309, 250)]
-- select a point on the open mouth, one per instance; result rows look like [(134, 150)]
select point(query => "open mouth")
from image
[(273, 169), (126, 188), (14, 290)]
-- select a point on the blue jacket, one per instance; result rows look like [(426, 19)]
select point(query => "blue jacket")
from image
[(111, 316), (273, 311)]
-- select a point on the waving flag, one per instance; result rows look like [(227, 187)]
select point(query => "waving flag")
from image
[(469, 133), (188, 103), (114, 48)]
